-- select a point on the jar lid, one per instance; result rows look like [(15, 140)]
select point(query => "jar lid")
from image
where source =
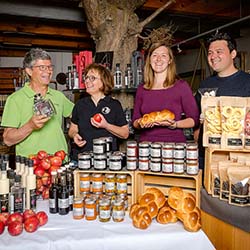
[(100, 156), (115, 157), (83, 156), (121, 176), (118, 202), (110, 175), (155, 145), (89, 201), (144, 144), (99, 140), (168, 145), (192, 146), (131, 143), (179, 145), (104, 202)]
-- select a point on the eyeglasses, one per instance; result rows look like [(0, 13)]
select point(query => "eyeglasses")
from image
[(44, 67), (90, 78)]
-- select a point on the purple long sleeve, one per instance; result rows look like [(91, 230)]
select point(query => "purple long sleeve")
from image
[(179, 99)]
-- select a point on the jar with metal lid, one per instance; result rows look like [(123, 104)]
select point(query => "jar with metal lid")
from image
[(121, 184), (179, 166), (104, 210), (118, 211), (192, 167), (100, 162), (131, 163), (108, 140), (84, 161), (78, 209), (90, 209), (155, 164), (168, 150), (109, 183), (192, 151), (124, 197), (144, 149), (131, 149), (167, 165), (84, 183), (179, 151), (144, 163), (155, 149), (97, 183), (115, 162), (99, 146)]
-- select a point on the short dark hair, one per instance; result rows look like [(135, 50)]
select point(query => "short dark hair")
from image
[(223, 36), (33, 55)]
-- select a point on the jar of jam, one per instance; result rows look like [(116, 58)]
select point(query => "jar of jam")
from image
[(90, 209), (115, 162), (192, 167), (167, 165), (155, 164), (118, 211), (168, 150), (131, 149), (97, 183), (121, 184), (78, 209), (131, 163), (179, 151), (110, 183), (144, 163), (104, 210), (144, 150), (100, 162), (155, 150), (84, 183), (179, 166), (84, 161), (124, 198), (192, 151), (108, 140), (99, 146)]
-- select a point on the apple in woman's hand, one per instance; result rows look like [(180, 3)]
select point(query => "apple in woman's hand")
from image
[(97, 117)]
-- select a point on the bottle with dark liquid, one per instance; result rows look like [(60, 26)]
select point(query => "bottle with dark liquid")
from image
[(70, 186), (63, 196), (53, 194)]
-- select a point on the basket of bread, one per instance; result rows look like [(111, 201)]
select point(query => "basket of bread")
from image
[(153, 205)]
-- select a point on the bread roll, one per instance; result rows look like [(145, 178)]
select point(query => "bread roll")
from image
[(166, 215), (156, 116), (141, 217), (153, 194)]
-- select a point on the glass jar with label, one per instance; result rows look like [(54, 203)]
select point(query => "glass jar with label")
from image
[(104, 210), (84, 183), (108, 140), (131, 163), (97, 183), (99, 146), (144, 163), (192, 167), (124, 198), (121, 184), (179, 151), (78, 209), (131, 149), (110, 184), (167, 165), (118, 211), (179, 166), (168, 150), (115, 162), (90, 209), (84, 161), (144, 149), (155, 164), (100, 162), (192, 151), (155, 149)]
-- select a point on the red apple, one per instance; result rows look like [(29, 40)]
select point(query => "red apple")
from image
[(28, 213), (42, 217), (15, 217), (56, 161), (39, 171), (97, 117), (61, 154), (15, 228), (4, 217), (45, 193), (42, 154), (39, 183), (2, 226), (46, 179), (45, 163), (53, 168), (31, 224), (36, 161)]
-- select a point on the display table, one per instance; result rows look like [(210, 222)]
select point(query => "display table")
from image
[(63, 232)]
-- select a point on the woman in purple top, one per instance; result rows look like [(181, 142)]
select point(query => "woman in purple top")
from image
[(164, 90)]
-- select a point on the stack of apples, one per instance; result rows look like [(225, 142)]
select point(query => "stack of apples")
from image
[(29, 220), (44, 164)]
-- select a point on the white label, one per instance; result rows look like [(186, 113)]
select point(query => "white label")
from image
[(118, 214), (89, 212), (167, 167), (122, 186), (78, 211), (155, 166), (131, 152), (99, 164), (144, 151), (84, 184), (97, 185), (52, 203), (115, 165), (144, 165), (167, 153), (84, 164), (99, 149), (131, 165), (63, 203), (104, 214), (109, 186)]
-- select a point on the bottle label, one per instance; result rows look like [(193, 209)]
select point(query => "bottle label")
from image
[(18, 202), (63, 203), (52, 203), (4, 203), (33, 199)]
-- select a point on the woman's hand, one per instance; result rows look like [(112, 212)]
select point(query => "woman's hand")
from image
[(78, 140), (101, 124)]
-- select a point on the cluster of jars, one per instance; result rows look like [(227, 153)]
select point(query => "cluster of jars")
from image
[(101, 158), (163, 157), (105, 195)]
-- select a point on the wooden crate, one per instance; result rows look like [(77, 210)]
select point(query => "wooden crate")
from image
[(162, 181), (213, 155), (130, 181)]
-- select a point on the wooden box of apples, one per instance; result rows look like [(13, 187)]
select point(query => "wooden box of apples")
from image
[(44, 164)]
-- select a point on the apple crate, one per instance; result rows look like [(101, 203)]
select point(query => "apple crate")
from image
[(162, 181), (130, 181), (213, 156)]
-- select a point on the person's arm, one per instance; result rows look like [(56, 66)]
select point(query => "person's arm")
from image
[(12, 136)]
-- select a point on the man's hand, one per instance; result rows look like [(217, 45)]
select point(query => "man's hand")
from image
[(38, 121)]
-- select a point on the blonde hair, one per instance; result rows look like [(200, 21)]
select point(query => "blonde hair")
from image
[(149, 73)]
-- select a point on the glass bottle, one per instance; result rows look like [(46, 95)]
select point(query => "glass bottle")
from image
[(18, 164), (70, 187), (63, 196), (118, 77), (128, 77), (30, 187), (11, 177), (53, 194), (4, 189)]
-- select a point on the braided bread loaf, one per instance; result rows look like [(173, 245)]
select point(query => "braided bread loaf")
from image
[(156, 116), (166, 215)]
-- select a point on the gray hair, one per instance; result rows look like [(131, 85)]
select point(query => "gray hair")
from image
[(33, 55)]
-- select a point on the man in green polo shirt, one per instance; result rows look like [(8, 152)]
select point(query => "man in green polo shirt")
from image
[(31, 132)]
